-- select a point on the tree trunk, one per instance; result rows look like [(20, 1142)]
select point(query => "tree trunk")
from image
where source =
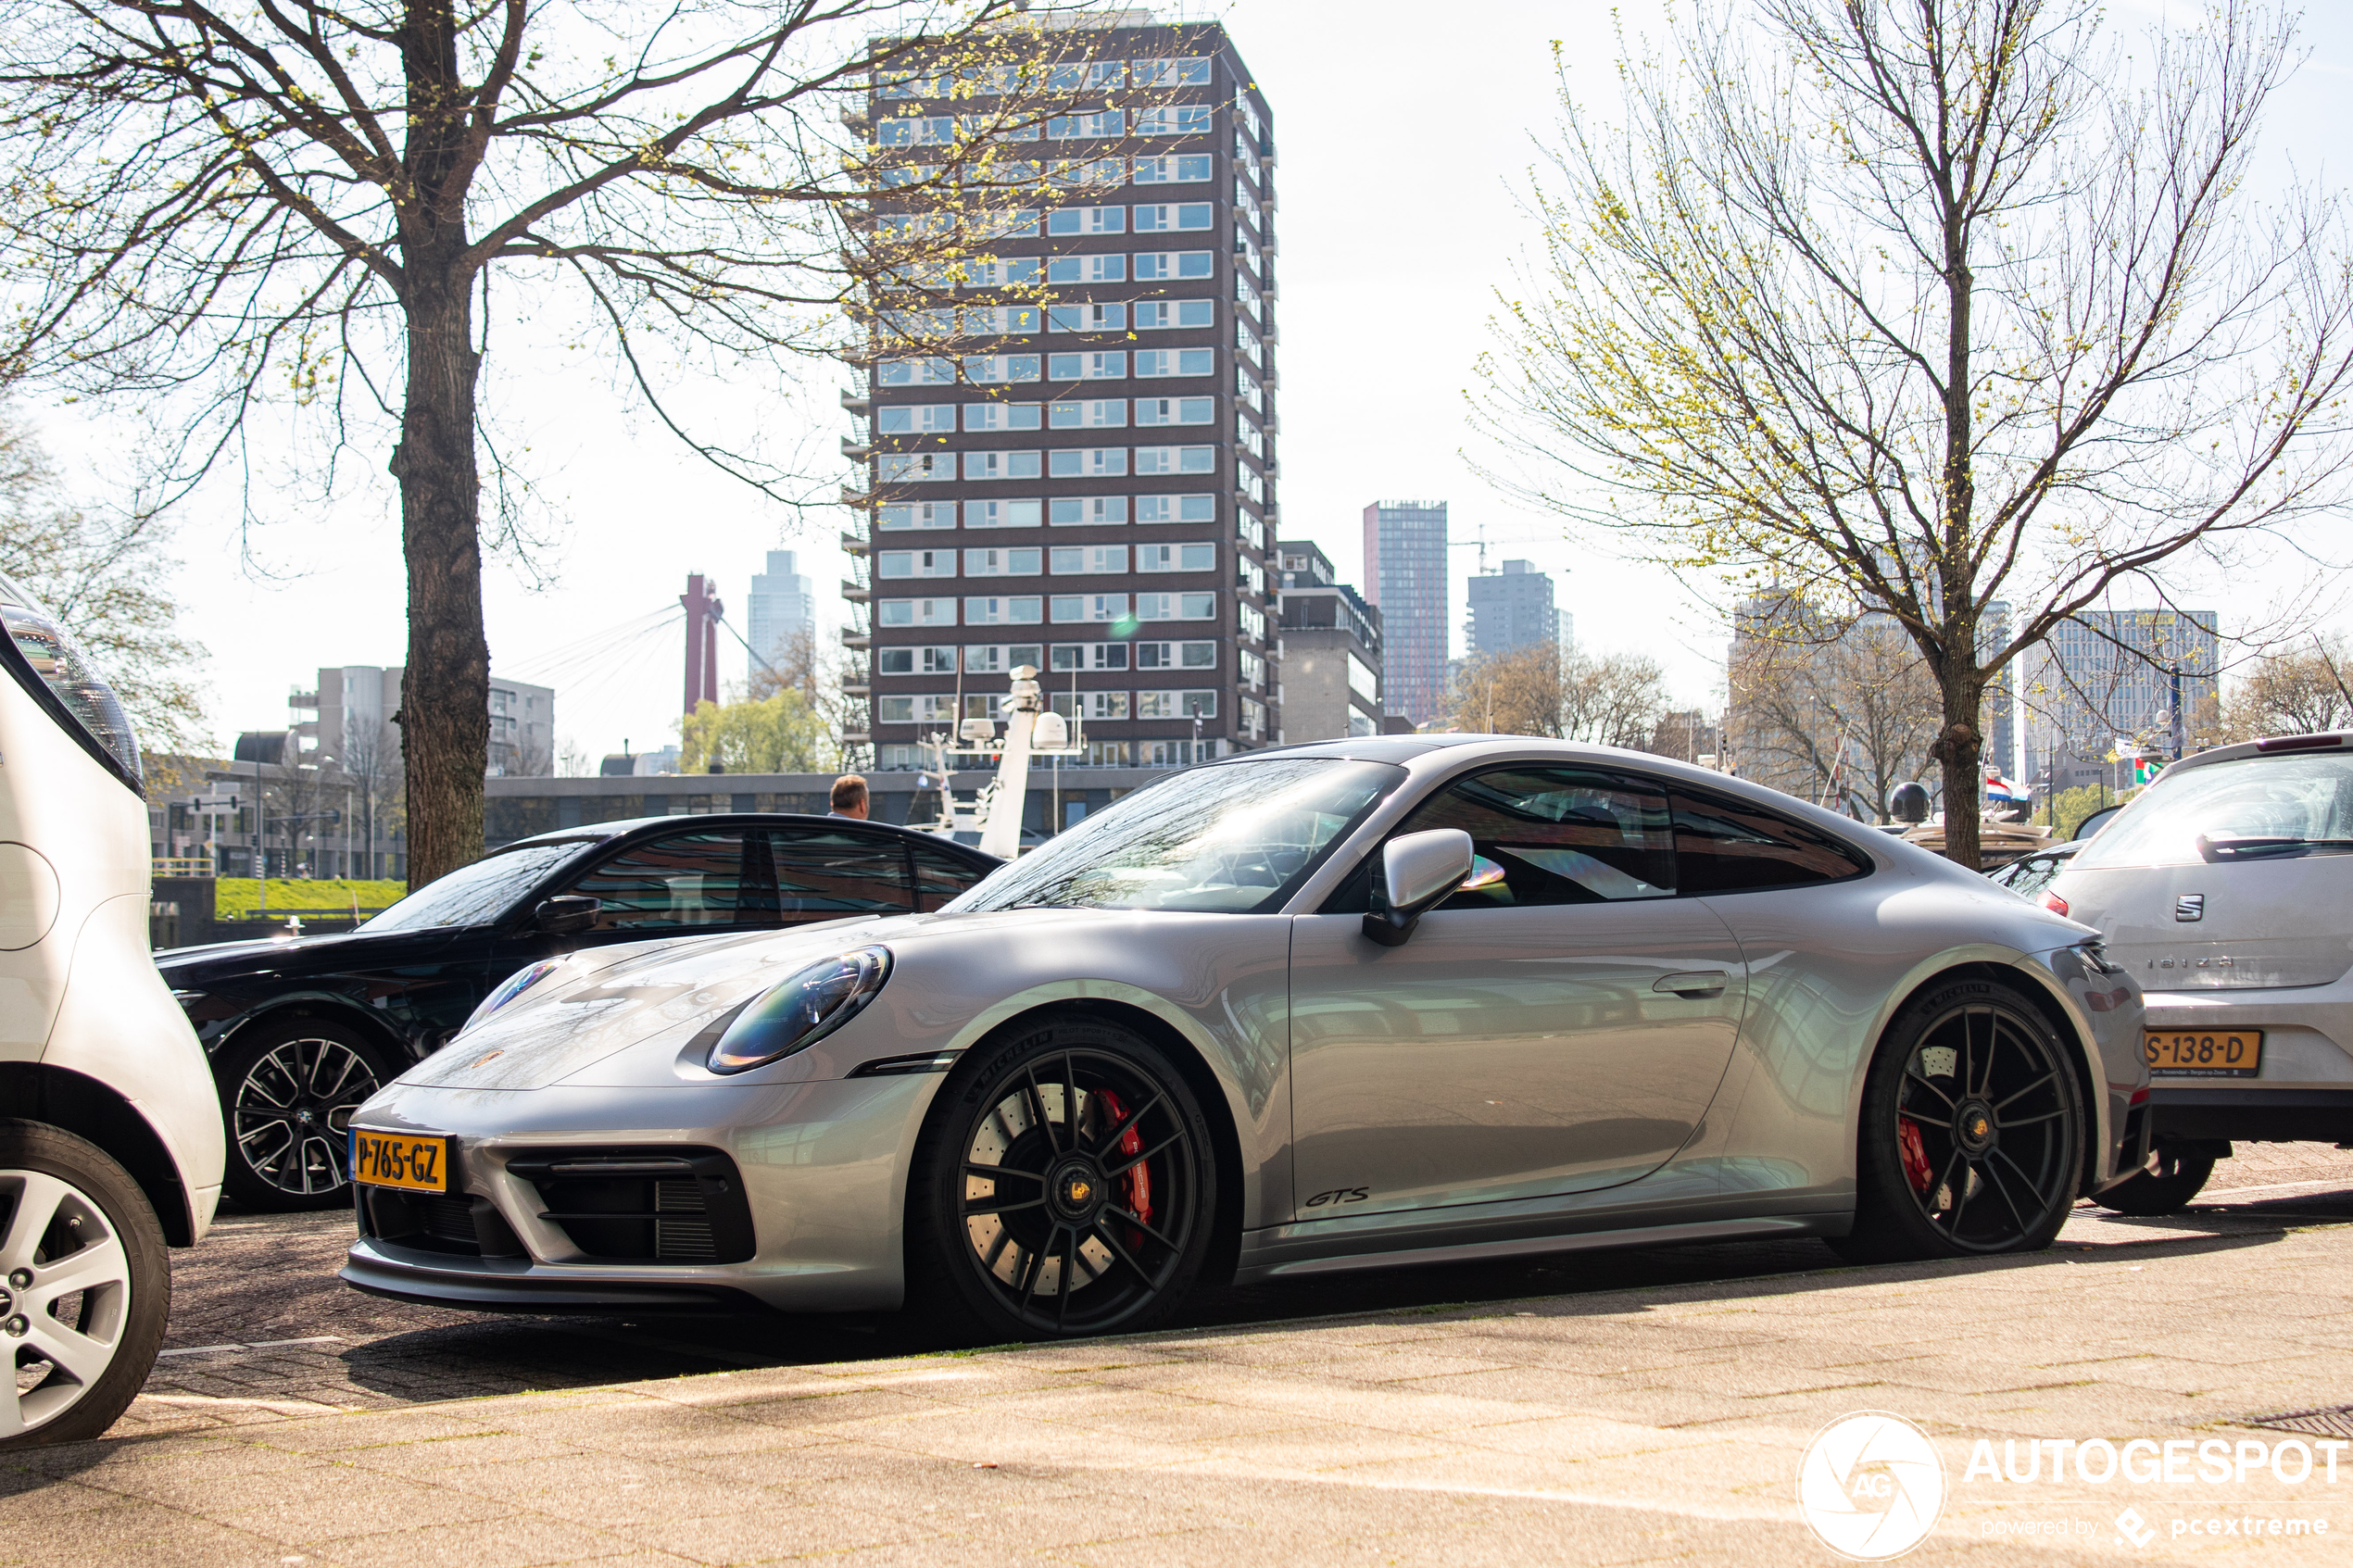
[(1959, 750), (444, 699)]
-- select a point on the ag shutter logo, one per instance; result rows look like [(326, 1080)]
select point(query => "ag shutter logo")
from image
[(1870, 1485)]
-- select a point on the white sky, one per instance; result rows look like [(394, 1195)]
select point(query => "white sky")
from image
[(1399, 127)]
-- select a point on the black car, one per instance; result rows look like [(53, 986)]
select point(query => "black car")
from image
[(301, 1031), (2028, 875)]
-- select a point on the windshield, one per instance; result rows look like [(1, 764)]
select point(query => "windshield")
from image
[(2302, 804), (1235, 838), (65, 669), (478, 894)]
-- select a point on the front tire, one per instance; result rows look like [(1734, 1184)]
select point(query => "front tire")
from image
[(1063, 1186), (87, 1283), (2174, 1176), (1972, 1131), (287, 1093)]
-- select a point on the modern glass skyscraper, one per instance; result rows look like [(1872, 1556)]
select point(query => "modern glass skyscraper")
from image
[(782, 610), (1405, 570), (1090, 488)]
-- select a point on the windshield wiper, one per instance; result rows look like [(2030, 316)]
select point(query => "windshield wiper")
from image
[(2262, 846)]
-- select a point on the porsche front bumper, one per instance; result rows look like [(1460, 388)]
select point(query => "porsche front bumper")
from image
[(822, 1169)]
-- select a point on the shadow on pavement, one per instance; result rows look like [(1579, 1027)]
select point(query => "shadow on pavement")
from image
[(510, 1355)]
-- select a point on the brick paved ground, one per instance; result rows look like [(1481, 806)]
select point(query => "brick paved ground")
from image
[(1655, 1424)]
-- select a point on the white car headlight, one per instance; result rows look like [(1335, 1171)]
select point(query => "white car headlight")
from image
[(797, 1013)]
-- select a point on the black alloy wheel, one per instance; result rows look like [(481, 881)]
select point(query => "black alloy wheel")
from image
[(1971, 1139), (288, 1092), (1065, 1186), (2175, 1173)]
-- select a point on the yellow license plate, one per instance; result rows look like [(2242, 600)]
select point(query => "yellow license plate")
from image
[(398, 1160), (2200, 1053)]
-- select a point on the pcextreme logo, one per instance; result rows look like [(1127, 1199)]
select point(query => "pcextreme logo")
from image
[(1870, 1485)]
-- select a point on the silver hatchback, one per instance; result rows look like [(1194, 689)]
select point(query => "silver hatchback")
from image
[(2226, 889)]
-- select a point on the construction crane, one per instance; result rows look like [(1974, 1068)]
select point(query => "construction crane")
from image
[(1482, 542)]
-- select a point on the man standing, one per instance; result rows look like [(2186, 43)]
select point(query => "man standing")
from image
[(850, 798)]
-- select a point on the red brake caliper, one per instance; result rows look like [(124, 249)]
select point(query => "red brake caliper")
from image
[(1131, 1143), (1908, 1143)]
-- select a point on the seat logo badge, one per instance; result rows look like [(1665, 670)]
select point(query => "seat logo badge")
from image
[(2189, 906)]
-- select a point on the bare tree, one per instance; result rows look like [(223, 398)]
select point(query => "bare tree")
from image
[(1542, 690), (372, 760), (2296, 691), (108, 579), (295, 798), (306, 203), (1912, 306), (1840, 714)]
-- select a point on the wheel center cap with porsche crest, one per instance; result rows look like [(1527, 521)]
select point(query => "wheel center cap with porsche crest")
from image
[(1077, 1188), (1973, 1126)]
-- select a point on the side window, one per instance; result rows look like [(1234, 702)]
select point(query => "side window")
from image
[(824, 874), (940, 877), (1555, 835), (694, 879), (1732, 846)]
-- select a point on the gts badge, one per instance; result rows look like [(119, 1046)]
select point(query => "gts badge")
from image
[(1337, 1196)]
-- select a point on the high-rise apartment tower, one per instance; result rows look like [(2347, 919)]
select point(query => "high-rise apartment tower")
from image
[(783, 611), (1405, 575), (2102, 676), (1087, 483), (1511, 609)]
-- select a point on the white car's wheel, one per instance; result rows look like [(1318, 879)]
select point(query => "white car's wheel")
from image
[(84, 1286)]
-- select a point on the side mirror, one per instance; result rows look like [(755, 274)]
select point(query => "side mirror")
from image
[(1417, 872), (563, 916)]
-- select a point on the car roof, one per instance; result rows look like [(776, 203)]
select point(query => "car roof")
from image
[(605, 833), (1444, 752), (2269, 746)]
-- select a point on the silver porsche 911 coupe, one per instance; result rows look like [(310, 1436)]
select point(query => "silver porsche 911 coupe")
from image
[(1404, 1001)]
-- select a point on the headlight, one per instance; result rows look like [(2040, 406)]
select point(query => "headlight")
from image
[(509, 988), (798, 1013)]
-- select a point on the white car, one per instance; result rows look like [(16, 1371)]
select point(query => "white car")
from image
[(2226, 889), (110, 1141)]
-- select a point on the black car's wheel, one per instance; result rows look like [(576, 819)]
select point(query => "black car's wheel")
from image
[(1971, 1138), (2173, 1177), (1063, 1186), (85, 1286), (287, 1093)]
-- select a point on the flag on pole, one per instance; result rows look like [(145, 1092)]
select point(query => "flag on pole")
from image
[(2000, 788)]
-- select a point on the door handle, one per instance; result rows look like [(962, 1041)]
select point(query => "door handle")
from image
[(1697, 983)]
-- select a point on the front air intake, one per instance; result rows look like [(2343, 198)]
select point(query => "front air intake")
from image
[(643, 1206)]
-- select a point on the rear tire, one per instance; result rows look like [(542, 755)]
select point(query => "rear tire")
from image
[(1063, 1186), (88, 1287), (288, 1088), (2173, 1177), (1972, 1131)]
